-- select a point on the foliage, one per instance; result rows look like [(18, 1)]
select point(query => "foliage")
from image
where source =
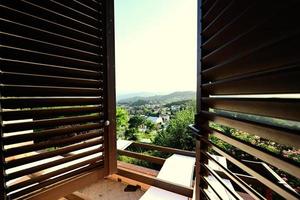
[(136, 121), (122, 118), (177, 134), (131, 134), (150, 125)]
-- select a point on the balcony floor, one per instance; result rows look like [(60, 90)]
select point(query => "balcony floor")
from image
[(107, 189)]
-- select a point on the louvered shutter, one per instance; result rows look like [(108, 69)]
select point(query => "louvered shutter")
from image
[(57, 92), (248, 83)]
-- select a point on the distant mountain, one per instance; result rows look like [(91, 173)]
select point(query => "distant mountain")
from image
[(130, 95), (160, 99)]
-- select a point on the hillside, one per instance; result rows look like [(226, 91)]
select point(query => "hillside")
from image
[(160, 99)]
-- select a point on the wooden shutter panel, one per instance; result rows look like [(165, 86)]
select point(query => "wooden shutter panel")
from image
[(248, 80), (57, 92)]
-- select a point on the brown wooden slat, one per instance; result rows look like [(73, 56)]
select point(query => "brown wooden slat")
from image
[(54, 163), (51, 133), (69, 185), (90, 6), (255, 13), (205, 179), (207, 6), (216, 8), (152, 159), (246, 187), (271, 107), (82, 10), (44, 180), (263, 57), (163, 149), (279, 189), (13, 13), (219, 179), (64, 14), (28, 43), (278, 161), (186, 191), (34, 102), (43, 145), (232, 10), (32, 91), (258, 83), (9, 52), (19, 66), (42, 80), (44, 123), (47, 36), (49, 154), (277, 134), (254, 37), (41, 113)]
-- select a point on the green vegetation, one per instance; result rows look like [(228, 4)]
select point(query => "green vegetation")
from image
[(173, 132)]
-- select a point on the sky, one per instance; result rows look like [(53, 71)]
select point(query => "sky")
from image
[(155, 45)]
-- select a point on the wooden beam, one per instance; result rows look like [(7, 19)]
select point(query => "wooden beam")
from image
[(67, 187), (164, 149), (110, 92), (152, 159), (150, 180)]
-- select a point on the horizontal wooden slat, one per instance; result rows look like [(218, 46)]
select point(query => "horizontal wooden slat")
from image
[(52, 143), (207, 6), (33, 102), (271, 107), (49, 154), (258, 83), (61, 14), (44, 180), (278, 161), (152, 159), (48, 36), (178, 189), (53, 63), (13, 40), (274, 133), (11, 13), (279, 189), (216, 8), (253, 37), (9, 52), (229, 30), (44, 123), (51, 133), (246, 187), (228, 14), (232, 192), (54, 163), (19, 66), (41, 113), (214, 189), (265, 56), (42, 80), (70, 185), (163, 149), (87, 15), (31, 91)]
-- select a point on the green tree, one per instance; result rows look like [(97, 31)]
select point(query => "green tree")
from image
[(177, 134), (131, 134), (150, 125), (136, 121), (122, 118)]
